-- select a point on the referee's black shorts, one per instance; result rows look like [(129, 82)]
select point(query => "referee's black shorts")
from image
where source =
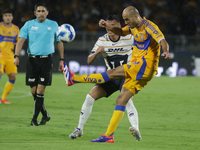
[(39, 70)]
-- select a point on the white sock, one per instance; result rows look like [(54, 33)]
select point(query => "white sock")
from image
[(132, 114), (85, 111)]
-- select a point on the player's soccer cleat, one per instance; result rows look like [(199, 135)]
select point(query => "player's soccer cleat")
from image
[(5, 101), (104, 139), (68, 75), (77, 133), (135, 133), (45, 119), (34, 122)]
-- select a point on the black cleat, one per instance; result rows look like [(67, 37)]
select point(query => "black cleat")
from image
[(45, 119), (34, 123)]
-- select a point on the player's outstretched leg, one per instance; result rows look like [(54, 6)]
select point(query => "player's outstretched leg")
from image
[(91, 78), (135, 133), (77, 133), (68, 75), (104, 139)]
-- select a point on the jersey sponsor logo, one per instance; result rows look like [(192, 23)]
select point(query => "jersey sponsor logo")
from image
[(7, 38), (116, 50), (31, 79), (142, 45), (49, 28), (90, 79), (34, 28), (139, 45), (136, 36)]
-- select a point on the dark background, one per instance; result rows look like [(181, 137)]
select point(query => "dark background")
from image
[(178, 20)]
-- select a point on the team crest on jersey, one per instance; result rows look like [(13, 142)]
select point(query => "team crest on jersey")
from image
[(141, 36)]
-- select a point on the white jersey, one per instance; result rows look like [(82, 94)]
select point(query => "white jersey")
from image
[(116, 53)]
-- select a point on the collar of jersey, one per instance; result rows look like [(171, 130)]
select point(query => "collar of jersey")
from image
[(112, 40)]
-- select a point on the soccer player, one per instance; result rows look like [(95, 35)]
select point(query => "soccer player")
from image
[(9, 35), (143, 66), (41, 34), (116, 51)]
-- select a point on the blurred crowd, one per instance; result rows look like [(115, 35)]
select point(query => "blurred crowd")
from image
[(179, 17)]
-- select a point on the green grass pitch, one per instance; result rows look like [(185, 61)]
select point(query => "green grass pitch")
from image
[(169, 117)]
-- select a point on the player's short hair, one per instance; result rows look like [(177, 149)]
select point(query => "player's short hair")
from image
[(7, 11), (113, 17), (40, 4)]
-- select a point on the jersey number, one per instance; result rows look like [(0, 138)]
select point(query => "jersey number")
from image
[(115, 61)]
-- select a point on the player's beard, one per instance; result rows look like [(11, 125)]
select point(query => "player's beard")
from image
[(133, 24), (41, 19)]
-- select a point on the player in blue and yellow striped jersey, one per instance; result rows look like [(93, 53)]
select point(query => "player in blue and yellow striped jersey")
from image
[(9, 35), (143, 66)]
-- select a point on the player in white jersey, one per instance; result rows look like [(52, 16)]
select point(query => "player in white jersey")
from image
[(116, 51)]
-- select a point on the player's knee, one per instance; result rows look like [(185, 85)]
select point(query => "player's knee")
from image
[(111, 74), (12, 76), (117, 73), (1, 73)]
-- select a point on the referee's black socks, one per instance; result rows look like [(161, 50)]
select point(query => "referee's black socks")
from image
[(43, 110), (39, 100)]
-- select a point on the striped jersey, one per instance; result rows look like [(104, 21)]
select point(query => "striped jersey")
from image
[(116, 53), (8, 37), (146, 40)]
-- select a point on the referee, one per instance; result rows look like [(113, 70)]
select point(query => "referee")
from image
[(41, 34)]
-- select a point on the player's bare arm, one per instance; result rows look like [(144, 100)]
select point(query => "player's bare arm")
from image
[(18, 48), (116, 30), (61, 52), (92, 57), (165, 48)]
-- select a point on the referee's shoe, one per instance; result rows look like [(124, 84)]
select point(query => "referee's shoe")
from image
[(34, 122), (45, 119)]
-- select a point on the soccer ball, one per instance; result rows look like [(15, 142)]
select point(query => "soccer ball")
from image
[(66, 33)]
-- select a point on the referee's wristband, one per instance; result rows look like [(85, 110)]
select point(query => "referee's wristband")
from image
[(62, 59), (16, 56)]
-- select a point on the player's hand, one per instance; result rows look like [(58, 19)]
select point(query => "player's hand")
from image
[(167, 55), (16, 61), (60, 65), (100, 50), (102, 23)]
